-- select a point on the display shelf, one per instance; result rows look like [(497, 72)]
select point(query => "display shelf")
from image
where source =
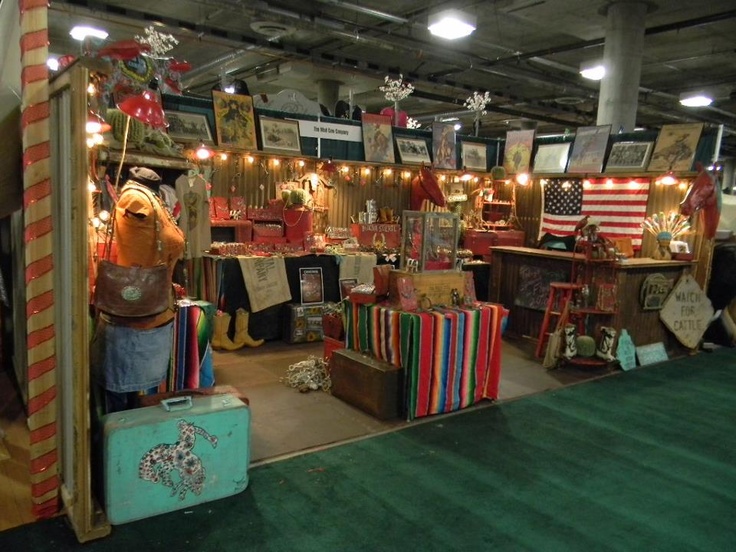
[(148, 160)]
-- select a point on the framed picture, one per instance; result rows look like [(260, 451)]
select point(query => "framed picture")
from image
[(311, 286), (378, 142), (589, 149), (551, 158), (517, 152), (412, 150), (189, 127), (280, 135), (346, 286), (235, 122), (473, 156), (629, 156), (443, 146), (675, 147)]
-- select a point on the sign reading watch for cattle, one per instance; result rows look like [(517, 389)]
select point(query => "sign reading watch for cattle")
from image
[(687, 311)]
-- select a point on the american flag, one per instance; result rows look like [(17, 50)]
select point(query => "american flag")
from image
[(620, 205)]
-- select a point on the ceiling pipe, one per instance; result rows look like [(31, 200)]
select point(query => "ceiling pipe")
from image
[(366, 11)]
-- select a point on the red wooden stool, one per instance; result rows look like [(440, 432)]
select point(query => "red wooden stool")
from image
[(560, 293)]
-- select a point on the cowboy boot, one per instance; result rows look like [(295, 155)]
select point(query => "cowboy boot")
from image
[(571, 346), (605, 346), (220, 339), (242, 337)]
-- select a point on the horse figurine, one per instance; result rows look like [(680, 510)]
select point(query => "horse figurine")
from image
[(704, 195), (425, 186)]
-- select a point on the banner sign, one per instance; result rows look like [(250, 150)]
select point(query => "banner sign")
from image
[(331, 131)]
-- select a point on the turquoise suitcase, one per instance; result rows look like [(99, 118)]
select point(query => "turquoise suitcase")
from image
[(183, 452)]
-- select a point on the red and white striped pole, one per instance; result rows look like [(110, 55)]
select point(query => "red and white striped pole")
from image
[(38, 258)]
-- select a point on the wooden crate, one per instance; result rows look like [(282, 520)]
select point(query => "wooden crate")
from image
[(437, 285)]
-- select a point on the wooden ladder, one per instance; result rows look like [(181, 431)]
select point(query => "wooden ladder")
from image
[(560, 294)]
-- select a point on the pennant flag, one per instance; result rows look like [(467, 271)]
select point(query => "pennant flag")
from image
[(620, 205)]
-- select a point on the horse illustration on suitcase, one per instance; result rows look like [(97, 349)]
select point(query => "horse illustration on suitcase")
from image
[(159, 462)]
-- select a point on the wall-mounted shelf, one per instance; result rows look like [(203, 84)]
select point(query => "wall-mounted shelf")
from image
[(149, 160)]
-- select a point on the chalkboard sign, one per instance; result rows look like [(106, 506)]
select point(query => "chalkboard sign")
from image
[(534, 284), (651, 354)]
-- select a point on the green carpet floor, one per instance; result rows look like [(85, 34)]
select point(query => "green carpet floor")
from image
[(639, 461)]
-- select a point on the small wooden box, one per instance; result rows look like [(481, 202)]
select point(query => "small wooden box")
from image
[(365, 382), (436, 285), (332, 345)]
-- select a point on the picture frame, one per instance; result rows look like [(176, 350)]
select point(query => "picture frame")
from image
[(675, 147), (517, 151), (189, 127), (311, 286), (552, 158), (589, 149), (235, 123), (346, 286), (279, 135), (444, 155), (412, 151), (629, 156), (474, 156), (378, 143)]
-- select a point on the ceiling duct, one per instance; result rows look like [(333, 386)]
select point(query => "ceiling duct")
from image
[(273, 30)]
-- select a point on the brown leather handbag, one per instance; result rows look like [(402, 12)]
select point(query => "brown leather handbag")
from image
[(131, 291)]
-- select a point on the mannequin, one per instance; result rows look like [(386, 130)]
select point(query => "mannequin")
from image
[(130, 355)]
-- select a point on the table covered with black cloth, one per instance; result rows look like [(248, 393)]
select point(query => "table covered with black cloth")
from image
[(267, 324)]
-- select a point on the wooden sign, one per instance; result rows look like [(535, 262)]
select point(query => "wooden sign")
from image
[(687, 311)]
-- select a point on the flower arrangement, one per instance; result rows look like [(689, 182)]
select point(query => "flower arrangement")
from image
[(396, 89), (667, 227), (160, 43), (477, 103), (413, 123)]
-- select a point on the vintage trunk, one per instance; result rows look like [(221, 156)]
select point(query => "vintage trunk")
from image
[(186, 451), (372, 385)]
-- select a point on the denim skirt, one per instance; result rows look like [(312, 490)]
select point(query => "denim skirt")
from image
[(125, 359)]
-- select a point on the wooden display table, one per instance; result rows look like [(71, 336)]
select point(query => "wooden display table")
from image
[(521, 278)]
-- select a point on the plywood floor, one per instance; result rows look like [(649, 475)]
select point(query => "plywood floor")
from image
[(284, 421)]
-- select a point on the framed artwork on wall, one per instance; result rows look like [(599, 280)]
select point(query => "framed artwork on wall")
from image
[(235, 123), (551, 158), (589, 149), (629, 156), (517, 152), (279, 135), (412, 150), (378, 142), (474, 156), (675, 147), (443, 146), (189, 127)]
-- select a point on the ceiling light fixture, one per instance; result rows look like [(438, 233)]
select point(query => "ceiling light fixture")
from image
[(695, 99), (81, 32), (451, 24), (592, 70)]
